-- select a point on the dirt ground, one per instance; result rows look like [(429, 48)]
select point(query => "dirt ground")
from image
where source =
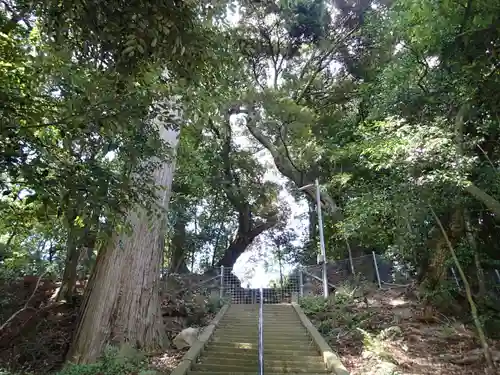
[(36, 331), (379, 332), (387, 333)]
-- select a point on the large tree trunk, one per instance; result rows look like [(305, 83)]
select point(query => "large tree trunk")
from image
[(79, 245), (178, 246), (71, 262), (70, 269), (122, 300), (435, 271), (247, 232)]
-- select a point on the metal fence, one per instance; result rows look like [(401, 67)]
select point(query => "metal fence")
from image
[(377, 269), (309, 280), (282, 292)]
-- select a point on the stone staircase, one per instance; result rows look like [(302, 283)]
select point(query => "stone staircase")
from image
[(288, 349)]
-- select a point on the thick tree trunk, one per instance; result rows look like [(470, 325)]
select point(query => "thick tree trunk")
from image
[(247, 232), (79, 245), (122, 301), (242, 241), (68, 281), (436, 270), (178, 246), (490, 202), (71, 263)]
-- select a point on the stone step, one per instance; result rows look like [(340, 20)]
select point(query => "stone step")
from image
[(242, 363), (255, 325), (267, 339), (268, 353), (268, 321), (289, 352), (223, 368), (249, 373), (267, 336), (273, 360), (296, 346), (289, 331), (218, 336)]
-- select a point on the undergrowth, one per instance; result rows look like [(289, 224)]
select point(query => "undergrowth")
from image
[(340, 318), (115, 361), (335, 313)]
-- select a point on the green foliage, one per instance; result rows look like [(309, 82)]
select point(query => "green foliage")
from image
[(336, 313), (115, 360)]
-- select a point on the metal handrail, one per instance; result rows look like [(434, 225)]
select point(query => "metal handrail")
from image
[(261, 333)]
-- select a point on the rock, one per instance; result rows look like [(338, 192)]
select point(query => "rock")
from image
[(384, 368), (402, 313), (186, 338)]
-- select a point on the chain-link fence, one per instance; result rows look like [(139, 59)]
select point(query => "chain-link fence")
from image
[(309, 281), (377, 269), (284, 291)]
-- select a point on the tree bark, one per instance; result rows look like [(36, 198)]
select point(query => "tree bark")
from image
[(178, 246), (122, 301), (470, 299), (68, 281), (469, 231), (72, 254), (490, 202), (247, 232), (436, 270)]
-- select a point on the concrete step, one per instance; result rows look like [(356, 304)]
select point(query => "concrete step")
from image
[(267, 320), (290, 331), (223, 368), (315, 365), (255, 335), (244, 336), (294, 346), (276, 340), (233, 349), (268, 354), (289, 352), (249, 373), (308, 362)]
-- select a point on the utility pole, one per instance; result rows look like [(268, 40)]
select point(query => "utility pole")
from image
[(321, 235)]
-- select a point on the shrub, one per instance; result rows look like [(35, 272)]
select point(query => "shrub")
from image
[(115, 361)]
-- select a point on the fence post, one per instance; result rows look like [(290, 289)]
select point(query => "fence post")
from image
[(376, 269), (455, 277), (221, 282), (301, 283), (498, 275)]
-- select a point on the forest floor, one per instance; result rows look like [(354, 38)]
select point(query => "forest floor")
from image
[(376, 332), (36, 331), (387, 332)]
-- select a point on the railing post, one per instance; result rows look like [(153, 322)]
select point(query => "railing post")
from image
[(376, 269), (221, 282), (301, 283), (261, 333)]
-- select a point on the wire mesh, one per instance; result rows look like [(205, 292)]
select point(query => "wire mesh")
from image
[(308, 280), (286, 290)]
